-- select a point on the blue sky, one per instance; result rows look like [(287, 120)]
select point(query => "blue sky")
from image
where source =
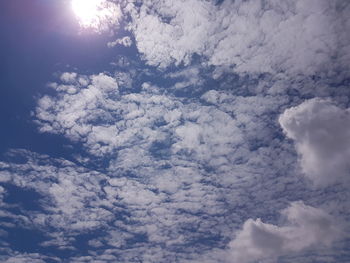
[(174, 131)]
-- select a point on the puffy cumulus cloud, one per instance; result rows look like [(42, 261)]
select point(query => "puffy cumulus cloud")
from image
[(321, 132), (296, 37), (306, 227), (68, 77)]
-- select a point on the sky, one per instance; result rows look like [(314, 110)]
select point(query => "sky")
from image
[(175, 131)]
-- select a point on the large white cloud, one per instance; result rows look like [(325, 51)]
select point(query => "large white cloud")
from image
[(306, 227), (321, 132), (296, 37)]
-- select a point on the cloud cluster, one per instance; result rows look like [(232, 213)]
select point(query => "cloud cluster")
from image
[(306, 226), (90, 109), (69, 193), (320, 130), (175, 163), (296, 37)]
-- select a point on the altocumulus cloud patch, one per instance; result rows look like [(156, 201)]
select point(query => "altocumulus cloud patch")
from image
[(216, 132)]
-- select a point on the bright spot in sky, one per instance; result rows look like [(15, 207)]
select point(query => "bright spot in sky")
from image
[(95, 14)]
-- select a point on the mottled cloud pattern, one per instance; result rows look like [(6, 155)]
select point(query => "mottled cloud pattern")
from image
[(292, 37), (225, 139)]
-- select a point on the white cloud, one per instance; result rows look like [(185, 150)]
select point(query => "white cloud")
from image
[(321, 132), (70, 194), (132, 123), (125, 41), (178, 174), (30, 257), (173, 164), (306, 227), (68, 77), (188, 77), (296, 37), (163, 43), (76, 200), (206, 180)]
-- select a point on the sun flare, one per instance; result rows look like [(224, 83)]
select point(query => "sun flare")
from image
[(95, 14), (87, 11)]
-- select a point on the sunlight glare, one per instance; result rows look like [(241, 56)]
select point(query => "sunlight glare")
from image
[(97, 15), (87, 11)]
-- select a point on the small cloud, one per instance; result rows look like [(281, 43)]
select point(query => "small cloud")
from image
[(125, 41)]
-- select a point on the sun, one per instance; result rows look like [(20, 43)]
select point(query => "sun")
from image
[(96, 14), (87, 11)]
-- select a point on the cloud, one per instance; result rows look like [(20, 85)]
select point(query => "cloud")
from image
[(175, 41), (69, 194), (68, 77), (190, 77), (137, 125), (30, 257), (125, 41), (124, 211), (306, 227), (300, 37), (320, 130), (179, 175), (171, 162)]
